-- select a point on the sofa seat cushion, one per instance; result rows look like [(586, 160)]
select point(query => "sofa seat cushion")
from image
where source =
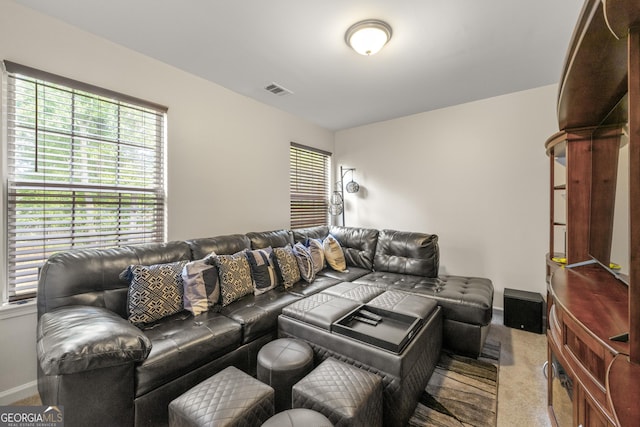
[(464, 299), (320, 310), (349, 275), (320, 283), (354, 291), (182, 343), (258, 314)]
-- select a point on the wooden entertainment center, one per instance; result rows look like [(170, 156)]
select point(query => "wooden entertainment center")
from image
[(593, 307)]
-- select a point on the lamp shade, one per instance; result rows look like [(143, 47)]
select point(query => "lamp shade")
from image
[(352, 187), (336, 203), (368, 37)]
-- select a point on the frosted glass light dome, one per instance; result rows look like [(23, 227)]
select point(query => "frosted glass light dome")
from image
[(368, 37)]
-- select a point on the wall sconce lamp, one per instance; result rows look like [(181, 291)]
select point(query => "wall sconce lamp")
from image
[(336, 202)]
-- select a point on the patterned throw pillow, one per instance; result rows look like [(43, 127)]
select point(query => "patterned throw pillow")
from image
[(155, 291), (201, 285), (263, 270), (288, 265), (334, 254), (305, 264), (317, 255), (235, 277)]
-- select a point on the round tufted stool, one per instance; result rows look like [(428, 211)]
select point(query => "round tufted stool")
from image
[(299, 417), (281, 364)]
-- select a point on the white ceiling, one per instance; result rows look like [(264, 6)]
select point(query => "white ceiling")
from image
[(442, 53)]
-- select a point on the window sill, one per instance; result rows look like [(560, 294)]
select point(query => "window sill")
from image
[(10, 310)]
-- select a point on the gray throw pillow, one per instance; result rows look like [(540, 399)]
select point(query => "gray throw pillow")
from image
[(263, 270), (317, 255), (305, 263), (235, 277), (201, 285), (288, 266), (155, 291)]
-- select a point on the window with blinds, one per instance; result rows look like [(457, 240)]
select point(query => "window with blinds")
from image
[(309, 186), (85, 169)]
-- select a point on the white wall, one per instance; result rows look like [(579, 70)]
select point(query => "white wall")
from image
[(228, 156), (474, 174)]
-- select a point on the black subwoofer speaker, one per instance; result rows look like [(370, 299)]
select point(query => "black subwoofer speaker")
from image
[(524, 310)]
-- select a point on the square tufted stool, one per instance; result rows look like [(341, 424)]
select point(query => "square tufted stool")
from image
[(229, 398), (348, 396), (281, 364)]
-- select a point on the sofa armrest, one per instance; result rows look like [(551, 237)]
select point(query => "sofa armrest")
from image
[(80, 338)]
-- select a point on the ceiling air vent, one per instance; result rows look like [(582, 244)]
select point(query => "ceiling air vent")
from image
[(276, 89)]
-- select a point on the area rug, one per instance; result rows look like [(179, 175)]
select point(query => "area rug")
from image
[(462, 391)]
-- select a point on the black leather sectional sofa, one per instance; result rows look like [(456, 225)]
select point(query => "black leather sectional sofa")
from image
[(106, 371)]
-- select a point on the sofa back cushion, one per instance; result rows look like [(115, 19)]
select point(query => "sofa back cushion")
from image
[(275, 239), (358, 245), (407, 253), (220, 245), (91, 276), (301, 235)]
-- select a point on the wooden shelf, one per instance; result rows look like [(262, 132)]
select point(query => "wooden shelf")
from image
[(599, 98), (596, 300), (588, 307), (594, 78)]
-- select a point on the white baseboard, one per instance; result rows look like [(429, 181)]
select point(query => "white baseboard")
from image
[(7, 397), (498, 315)]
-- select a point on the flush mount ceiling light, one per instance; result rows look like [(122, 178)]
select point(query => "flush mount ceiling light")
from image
[(368, 37)]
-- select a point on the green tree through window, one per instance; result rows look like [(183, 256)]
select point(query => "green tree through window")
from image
[(85, 169)]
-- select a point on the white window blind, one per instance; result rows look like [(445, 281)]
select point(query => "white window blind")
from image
[(309, 186), (85, 168)]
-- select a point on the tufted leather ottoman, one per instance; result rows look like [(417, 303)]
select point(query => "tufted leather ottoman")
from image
[(354, 291), (348, 396), (229, 398), (467, 304), (299, 417), (281, 364), (404, 375)]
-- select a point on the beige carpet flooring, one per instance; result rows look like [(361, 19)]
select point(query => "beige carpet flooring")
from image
[(522, 388)]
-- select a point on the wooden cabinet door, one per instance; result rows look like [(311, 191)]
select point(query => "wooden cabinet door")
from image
[(589, 414)]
